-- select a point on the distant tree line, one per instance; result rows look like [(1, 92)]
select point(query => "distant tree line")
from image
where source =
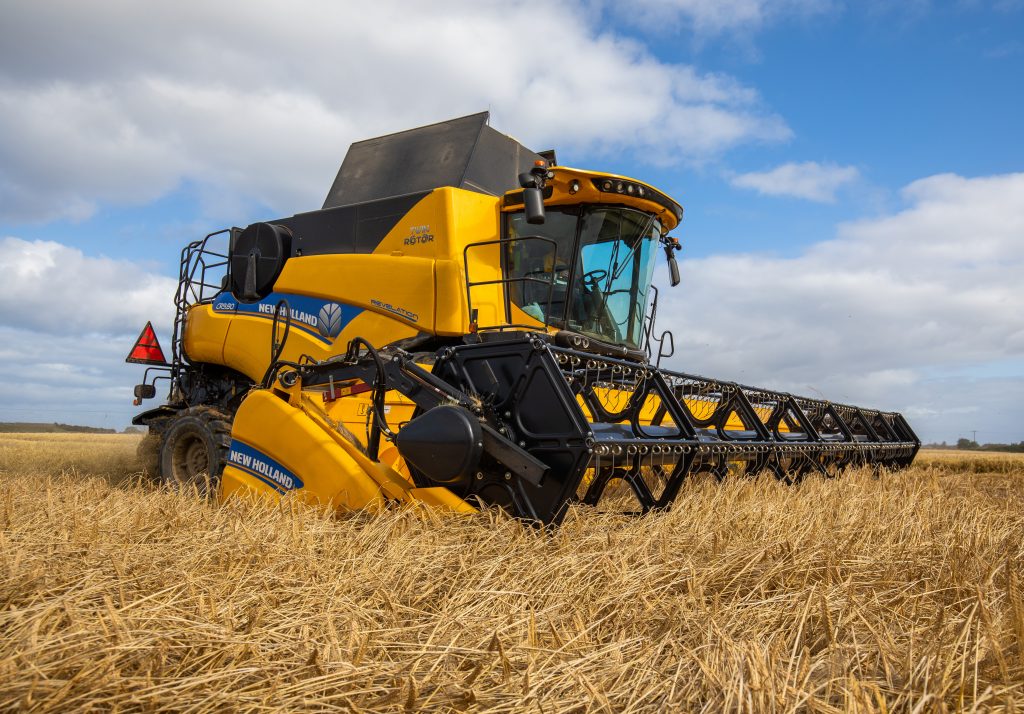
[(18, 427), (969, 445)]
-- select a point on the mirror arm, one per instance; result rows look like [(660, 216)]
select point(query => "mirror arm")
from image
[(671, 245)]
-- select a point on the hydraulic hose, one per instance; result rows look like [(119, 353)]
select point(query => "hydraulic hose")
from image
[(277, 348), (380, 424)]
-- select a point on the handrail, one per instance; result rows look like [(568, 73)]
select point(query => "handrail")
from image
[(506, 282), (196, 266)]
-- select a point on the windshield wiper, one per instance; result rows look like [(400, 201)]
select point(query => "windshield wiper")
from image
[(616, 270), (613, 276)]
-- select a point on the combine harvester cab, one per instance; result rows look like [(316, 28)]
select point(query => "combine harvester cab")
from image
[(464, 323)]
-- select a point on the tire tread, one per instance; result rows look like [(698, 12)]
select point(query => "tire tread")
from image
[(218, 425)]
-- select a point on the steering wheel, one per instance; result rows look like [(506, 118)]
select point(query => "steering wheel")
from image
[(594, 276), (595, 298)]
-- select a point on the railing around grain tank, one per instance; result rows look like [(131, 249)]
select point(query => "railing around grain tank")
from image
[(202, 274)]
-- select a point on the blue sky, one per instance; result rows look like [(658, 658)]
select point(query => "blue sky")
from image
[(851, 172), (898, 93)]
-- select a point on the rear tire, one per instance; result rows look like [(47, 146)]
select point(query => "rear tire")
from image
[(194, 449)]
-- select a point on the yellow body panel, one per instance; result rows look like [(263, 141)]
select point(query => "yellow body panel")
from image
[(413, 283), (285, 443), (353, 413), (399, 287), (288, 437), (205, 335), (563, 181), (441, 499)]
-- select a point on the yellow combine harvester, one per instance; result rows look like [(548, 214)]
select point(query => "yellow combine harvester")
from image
[(464, 323)]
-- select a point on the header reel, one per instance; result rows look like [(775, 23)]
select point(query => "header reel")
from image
[(516, 421)]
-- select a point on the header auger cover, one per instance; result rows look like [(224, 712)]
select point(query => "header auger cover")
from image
[(465, 324)]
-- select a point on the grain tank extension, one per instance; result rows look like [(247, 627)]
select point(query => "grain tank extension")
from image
[(464, 323)]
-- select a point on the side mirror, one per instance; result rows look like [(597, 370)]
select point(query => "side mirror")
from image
[(532, 182), (533, 201), (145, 391), (673, 269), (671, 246)]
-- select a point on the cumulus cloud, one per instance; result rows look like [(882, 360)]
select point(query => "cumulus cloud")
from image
[(263, 100), (809, 180), (67, 378), (51, 288), (69, 320), (889, 312)]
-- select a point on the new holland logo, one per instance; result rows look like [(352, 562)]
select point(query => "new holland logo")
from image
[(328, 322)]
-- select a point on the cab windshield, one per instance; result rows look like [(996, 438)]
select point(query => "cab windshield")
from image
[(592, 274)]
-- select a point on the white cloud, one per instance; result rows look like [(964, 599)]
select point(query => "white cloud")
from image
[(896, 312), (69, 320), (68, 378), (51, 288), (109, 102), (809, 180)]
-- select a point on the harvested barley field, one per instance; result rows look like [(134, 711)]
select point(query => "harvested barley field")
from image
[(899, 593)]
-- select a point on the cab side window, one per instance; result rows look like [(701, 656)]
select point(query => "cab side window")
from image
[(539, 260)]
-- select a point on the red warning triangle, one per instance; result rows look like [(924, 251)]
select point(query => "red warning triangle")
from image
[(147, 348)]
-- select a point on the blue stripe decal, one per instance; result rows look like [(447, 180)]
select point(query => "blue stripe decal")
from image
[(257, 464), (319, 318)]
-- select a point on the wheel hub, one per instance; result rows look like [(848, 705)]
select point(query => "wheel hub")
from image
[(196, 459), (191, 460)]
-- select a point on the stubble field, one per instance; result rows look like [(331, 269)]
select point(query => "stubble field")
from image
[(899, 593)]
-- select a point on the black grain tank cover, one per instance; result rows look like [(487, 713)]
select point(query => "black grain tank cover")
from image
[(256, 257), (464, 153)]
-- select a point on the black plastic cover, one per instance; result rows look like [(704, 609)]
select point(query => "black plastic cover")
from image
[(445, 443), (358, 228), (464, 153)]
